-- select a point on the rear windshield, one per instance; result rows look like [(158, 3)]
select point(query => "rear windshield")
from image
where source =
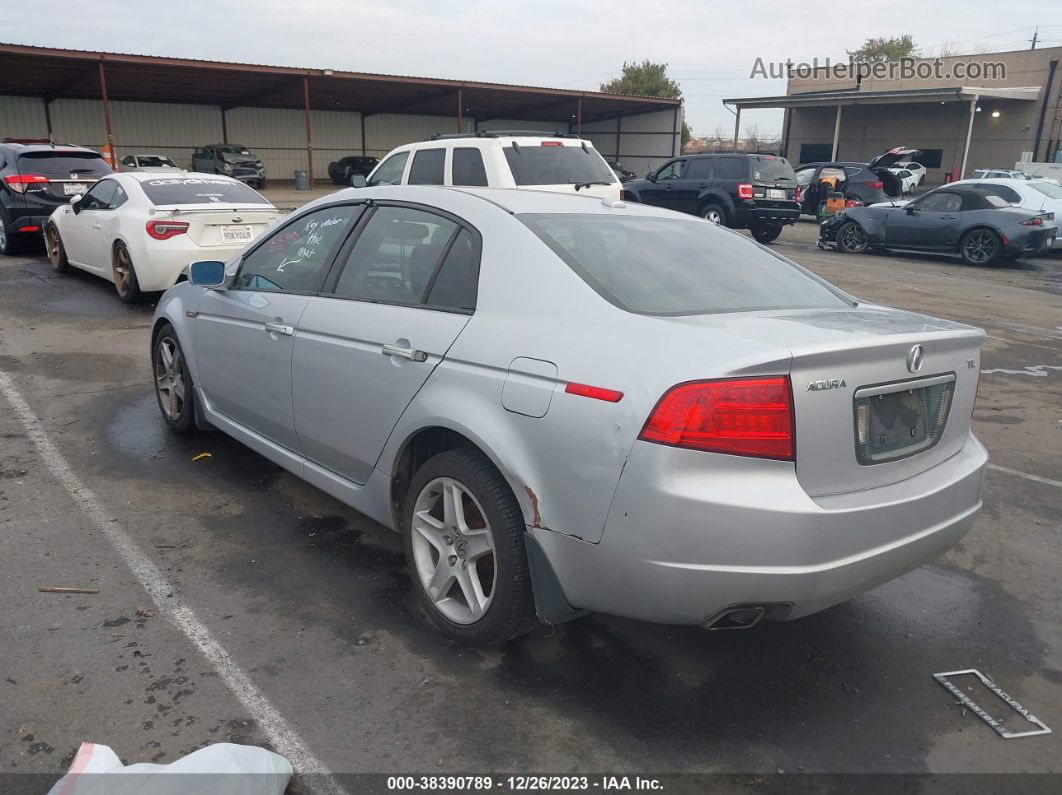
[(674, 266), (1048, 189), (199, 190), (63, 165), (556, 165), (772, 169)]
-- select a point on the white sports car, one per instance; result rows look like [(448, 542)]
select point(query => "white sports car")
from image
[(141, 231), (908, 180)]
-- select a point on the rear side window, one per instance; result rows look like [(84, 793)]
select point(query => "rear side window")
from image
[(395, 256), (64, 165), (390, 172), (468, 167), (165, 191), (730, 168), (556, 165), (674, 266), (700, 168), (292, 258), (455, 284), (427, 168)]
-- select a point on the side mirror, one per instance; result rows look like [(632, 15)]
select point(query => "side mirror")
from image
[(359, 181), (910, 210), (207, 273), (651, 176), (75, 203)]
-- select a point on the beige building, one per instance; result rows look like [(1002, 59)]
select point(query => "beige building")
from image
[(963, 112)]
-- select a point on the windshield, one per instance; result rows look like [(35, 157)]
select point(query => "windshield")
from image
[(233, 149), (674, 266), (63, 165), (154, 161), (771, 169), (556, 165), (199, 190), (1048, 189)]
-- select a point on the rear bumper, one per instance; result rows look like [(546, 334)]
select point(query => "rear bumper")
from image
[(162, 267), (691, 533), (749, 214)]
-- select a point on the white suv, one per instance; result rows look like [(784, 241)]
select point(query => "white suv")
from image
[(500, 159)]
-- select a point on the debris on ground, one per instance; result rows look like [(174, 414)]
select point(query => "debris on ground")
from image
[(996, 724), (64, 589), (145, 612), (202, 455), (220, 769)]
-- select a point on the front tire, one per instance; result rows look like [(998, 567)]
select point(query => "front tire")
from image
[(980, 247), (852, 238), (56, 249), (173, 382), (9, 243), (125, 282), (464, 542), (766, 233)]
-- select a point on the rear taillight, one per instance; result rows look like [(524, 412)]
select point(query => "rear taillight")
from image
[(19, 183), (739, 416), (744, 190), (626, 195), (163, 230), (1037, 221), (798, 192), (853, 203), (876, 184)]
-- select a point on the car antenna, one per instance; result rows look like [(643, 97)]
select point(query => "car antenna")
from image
[(516, 148)]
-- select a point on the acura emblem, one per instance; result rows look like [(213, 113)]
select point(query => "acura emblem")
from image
[(914, 358)]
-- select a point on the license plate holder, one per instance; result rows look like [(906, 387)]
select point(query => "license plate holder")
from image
[(897, 421), (236, 234), (74, 188), (775, 193)]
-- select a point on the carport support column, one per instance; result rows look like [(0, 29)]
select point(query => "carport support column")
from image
[(737, 125), (107, 115), (579, 117), (969, 134), (460, 108), (309, 139), (836, 134)]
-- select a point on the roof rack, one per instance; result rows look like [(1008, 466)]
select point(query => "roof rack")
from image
[(502, 134)]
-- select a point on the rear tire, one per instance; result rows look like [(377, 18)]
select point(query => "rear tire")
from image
[(852, 239), (980, 247), (9, 242), (714, 214), (125, 282), (766, 233), (173, 382), (56, 249), (469, 567)]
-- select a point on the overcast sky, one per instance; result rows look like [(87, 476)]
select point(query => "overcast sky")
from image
[(711, 45)]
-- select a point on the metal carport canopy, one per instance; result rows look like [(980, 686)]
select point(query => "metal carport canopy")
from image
[(74, 74), (838, 99)]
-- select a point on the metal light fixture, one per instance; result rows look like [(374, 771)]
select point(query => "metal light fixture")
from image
[(995, 114)]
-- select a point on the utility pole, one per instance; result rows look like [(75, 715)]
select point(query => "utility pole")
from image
[(1036, 35)]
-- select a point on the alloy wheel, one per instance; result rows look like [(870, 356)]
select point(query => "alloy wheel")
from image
[(3, 235), (123, 268), (54, 253), (853, 238), (453, 550), (980, 247), (169, 377), (713, 216)]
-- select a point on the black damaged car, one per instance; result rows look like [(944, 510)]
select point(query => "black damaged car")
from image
[(974, 221)]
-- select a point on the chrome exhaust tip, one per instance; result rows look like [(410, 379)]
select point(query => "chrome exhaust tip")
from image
[(737, 617)]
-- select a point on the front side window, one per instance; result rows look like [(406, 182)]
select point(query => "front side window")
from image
[(675, 266), (468, 167), (672, 170), (100, 195), (390, 172), (395, 256), (294, 257), (940, 202), (427, 168)]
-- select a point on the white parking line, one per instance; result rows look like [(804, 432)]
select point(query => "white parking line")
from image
[(284, 739), (1019, 474)]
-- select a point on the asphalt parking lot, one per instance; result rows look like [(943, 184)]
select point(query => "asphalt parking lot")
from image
[(312, 601)]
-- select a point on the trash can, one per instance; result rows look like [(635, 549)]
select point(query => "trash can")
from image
[(302, 180)]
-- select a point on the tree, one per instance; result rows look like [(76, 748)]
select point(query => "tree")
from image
[(752, 137), (647, 79), (881, 49)]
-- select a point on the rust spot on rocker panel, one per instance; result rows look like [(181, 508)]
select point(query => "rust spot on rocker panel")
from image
[(536, 519)]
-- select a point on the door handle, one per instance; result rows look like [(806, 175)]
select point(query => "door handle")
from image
[(97, 226), (405, 353), (280, 328)]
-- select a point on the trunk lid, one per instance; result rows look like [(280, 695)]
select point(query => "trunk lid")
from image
[(893, 156), (222, 226), (837, 353)]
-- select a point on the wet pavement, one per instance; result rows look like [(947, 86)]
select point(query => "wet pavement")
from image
[(313, 601)]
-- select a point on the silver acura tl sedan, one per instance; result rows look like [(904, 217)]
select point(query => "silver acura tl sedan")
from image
[(569, 405)]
